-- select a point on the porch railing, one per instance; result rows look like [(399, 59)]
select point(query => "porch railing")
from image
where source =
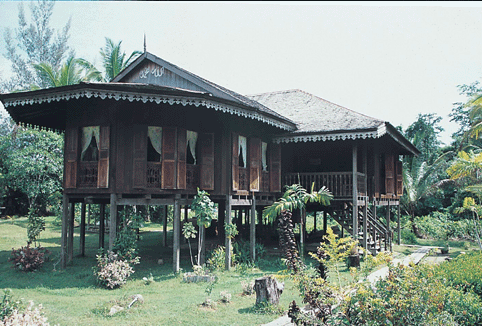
[(339, 183)]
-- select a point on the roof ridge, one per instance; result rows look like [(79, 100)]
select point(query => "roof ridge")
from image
[(277, 92)]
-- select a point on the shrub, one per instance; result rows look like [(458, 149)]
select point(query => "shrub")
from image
[(411, 296), (8, 305), (28, 259), (408, 237), (31, 316), (463, 273), (242, 251), (111, 271), (216, 258), (225, 296)]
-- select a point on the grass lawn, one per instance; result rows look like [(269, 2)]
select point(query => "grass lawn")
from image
[(71, 296)]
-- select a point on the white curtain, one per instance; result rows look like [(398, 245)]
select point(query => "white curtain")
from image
[(155, 135), (87, 133), (243, 149), (264, 158), (191, 141)]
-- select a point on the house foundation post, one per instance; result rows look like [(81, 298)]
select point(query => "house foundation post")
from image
[(70, 243), (355, 190), (63, 239), (176, 223), (387, 236), (227, 221), (399, 233), (365, 224), (82, 229), (112, 220), (325, 222), (164, 225), (102, 226), (252, 229)]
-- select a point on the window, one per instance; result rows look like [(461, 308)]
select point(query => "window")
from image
[(191, 144), (264, 156), (242, 152), (90, 144), (154, 144)]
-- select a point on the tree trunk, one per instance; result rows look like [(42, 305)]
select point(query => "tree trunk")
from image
[(268, 289)]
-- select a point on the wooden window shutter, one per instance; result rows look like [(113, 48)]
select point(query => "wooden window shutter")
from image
[(235, 161), (71, 157), (206, 143), (168, 166), (399, 178), (181, 158), (275, 167), (103, 173), (254, 164), (389, 174), (139, 173)]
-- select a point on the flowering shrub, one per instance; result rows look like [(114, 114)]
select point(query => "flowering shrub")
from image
[(463, 273), (31, 316), (28, 259), (412, 296), (8, 305), (111, 271)]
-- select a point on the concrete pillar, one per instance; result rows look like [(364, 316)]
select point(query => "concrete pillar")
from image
[(399, 240)]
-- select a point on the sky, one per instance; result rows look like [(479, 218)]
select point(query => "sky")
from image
[(387, 60)]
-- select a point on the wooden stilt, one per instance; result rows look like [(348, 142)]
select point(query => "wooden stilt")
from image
[(65, 224), (302, 232), (399, 232), (176, 251), (325, 222), (82, 229), (252, 230), (70, 244), (227, 262), (365, 224), (102, 226), (164, 225), (113, 220), (221, 219), (387, 236)]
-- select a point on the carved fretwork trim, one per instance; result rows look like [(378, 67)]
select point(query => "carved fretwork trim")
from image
[(332, 136), (158, 99)]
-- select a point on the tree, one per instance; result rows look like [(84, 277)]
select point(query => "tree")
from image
[(424, 133), (33, 43), (420, 180), (31, 164), (73, 71), (294, 198), (114, 60)]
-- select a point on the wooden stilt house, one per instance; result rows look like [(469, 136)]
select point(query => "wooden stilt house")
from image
[(157, 132)]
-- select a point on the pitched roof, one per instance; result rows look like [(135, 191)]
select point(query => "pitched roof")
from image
[(312, 114), (181, 78), (320, 120)]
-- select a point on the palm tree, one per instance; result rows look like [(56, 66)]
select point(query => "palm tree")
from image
[(420, 180), (295, 198), (74, 71), (114, 59)]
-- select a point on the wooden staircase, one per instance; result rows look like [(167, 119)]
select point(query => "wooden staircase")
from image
[(378, 237)]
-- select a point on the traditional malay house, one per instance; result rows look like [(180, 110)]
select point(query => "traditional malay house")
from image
[(157, 132)]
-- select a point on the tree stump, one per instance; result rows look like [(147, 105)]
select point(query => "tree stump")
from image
[(268, 289)]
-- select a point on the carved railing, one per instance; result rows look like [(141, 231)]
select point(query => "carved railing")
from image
[(243, 179), (192, 176), (153, 175), (88, 173), (339, 183)]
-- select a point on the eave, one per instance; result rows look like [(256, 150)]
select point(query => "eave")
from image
[(29, 107)]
